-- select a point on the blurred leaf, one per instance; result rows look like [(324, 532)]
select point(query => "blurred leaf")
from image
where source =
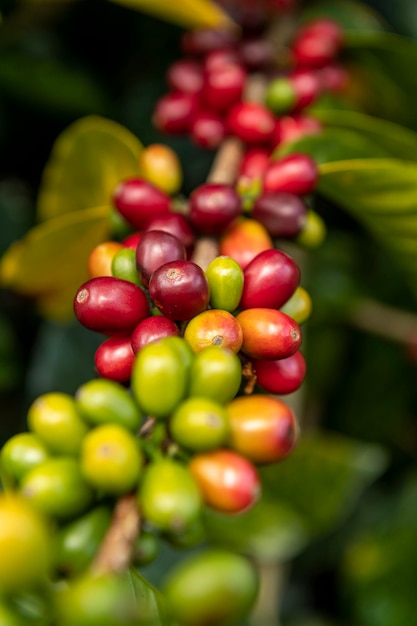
[(87, 161), (186, 13), (49, 84), (323, 478), (50, 262), (149, 600), (352, 15), (270, 531)]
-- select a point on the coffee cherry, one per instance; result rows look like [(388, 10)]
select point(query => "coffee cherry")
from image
[(114, 358), (313, 232), (155, 248), (204, 40), (160, 165), (175, 224), (159, 367), (280, 96), (152, 329), (132, 240), (296, 174), (179, 289), (110, 305), (219, 58), (100, 259), (224, 86), (225, 279), (307, 87), (24, 545), (215, 373), (137, 199), (123, 265), (243, 240), (20, 453), (174, 112), (268, 334), (333, 78), (317, 43), (281, 376), (292, 127), (57, 488), (199, 424), (102, 401), (185, 75), (270, 279), (146, 548), (214, 327), (254, 163), (211, 587), (299, 306), (111, 459), (213, 206), (168, 496), (55, 419), (207, 129), (256, 53), (253, 123), (283, 214), (262, 428), (228, 481)]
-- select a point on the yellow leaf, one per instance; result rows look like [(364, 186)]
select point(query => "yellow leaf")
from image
[(186, 13), (50, 262), (87, 161)]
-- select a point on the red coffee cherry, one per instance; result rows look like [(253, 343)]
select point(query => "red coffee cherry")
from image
[(114, 359), (281, 376), (213, 206), (291, 127), (333, 78), (185, 75), (228, 481), (109, 305), (268, 334), (318, 43), (307, 87), (262, 428), (152, 329), (224, 86), (204, 40), (207, 130), (283, 214), (270, 279), (175, 224), (136, 200), (174, 112), (296, 174), (180, 290), (155, 248), (257, 53), (243, 240), (217, 59), (132, 240), (254, 163), (253, 123)]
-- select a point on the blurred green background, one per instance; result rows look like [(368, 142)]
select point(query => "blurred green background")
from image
[(339, 522)]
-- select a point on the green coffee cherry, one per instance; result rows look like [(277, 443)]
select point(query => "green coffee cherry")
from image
[(215, 373), (225, 279), (145, 549), (298, 306), (20, 453), (102, 401), (8, 616), (314, 231), (55, 419), (123, 266), (280, 96), (169, 497), (199, 424), (213, 587)]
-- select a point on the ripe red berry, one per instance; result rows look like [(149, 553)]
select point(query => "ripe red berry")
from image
[(281, 376), (283, 214), (136, 200), (254, 163), (256, 53), (213, 206), (152, 329), (208, 129), (174, 112), (307, 87), (224, 86), (185, 75), (154, 249), (132, 240), (296, 174), (318, 43), (253, 123), (175, 224), (114, 359), (220, 57), (204, 40), (268, 334), (291, 127)]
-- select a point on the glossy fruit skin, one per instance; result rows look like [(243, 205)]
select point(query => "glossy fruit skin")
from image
[(296, 174), (262, 428), (137, 199), (55, 419), (20, 453), (256, 53), (131, 241), (244, 240), (228, 481), (159, 366), (101, 257), (215, 373), (219, 58), (268, 333), (123, 265), (317, 43), (57, 488), (110, 305), (101, 401), (77, 542), (223, 87), (156, 248), (281, 376), (207, 129), (152, 329), (254, 163), (280, 95), (160, 165), (270, 279), (24, 545), (211, 587), (214, 327), (114, 359), (168, 496), (174, 112), (291, 127), (225, 279), (299, 306), (307, 86), (199, 424), (111, 459), (314, 232), (283, 214), (180, 290), (204, 40), (175, 224), (253, 123), (185, 75), (213, 206)]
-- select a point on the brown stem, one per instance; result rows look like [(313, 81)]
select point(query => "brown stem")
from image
[(385, 321)]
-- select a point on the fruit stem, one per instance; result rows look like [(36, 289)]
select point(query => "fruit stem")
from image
[(385, 321)]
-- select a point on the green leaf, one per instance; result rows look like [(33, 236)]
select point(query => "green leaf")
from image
[(87, 161), (149, 600), (323, 478), (352, 15)]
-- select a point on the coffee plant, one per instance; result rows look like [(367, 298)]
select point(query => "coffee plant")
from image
[(187, 456)]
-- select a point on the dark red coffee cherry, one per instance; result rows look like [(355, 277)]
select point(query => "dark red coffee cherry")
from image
[(291, 127), (137, 199), (281, 376), (217, 59), (185, 75), (307, 87), (174, 112), (318, 43), (152, 329), (154, 249), (224, 86), (283, 214), (208, 129), (257, 53), (180, 290), (114, 359), (204, 40), (296, 173), (109, 305), (269, 280), (253, 123), (333, 78), (213, 206), (175, 224), (132, 240), (254, 163)]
